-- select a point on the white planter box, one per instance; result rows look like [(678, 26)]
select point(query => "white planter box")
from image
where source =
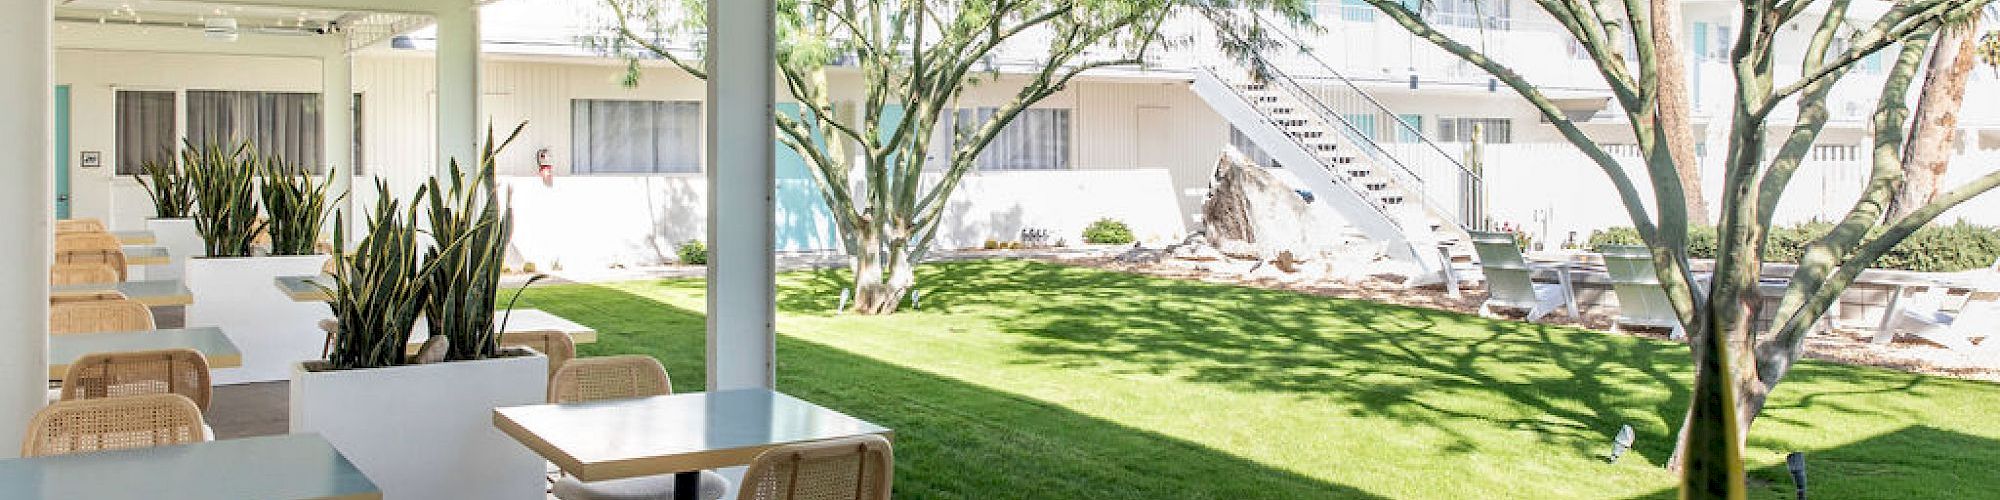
[(180, 239), (426, 431), (240, 295)]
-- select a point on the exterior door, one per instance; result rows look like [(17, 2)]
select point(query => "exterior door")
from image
[(1155, 128), (62, 152)]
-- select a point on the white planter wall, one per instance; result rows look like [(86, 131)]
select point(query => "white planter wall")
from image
[(180, 239), (426, 431), (240, 295)]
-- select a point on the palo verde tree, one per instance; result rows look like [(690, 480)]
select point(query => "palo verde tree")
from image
[(1737, 364), (915, 58)]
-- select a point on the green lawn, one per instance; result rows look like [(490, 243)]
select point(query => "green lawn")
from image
[(1028, 380)]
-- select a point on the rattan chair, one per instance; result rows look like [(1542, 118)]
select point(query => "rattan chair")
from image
[(855, 468), (609, 377), (113, 424), (113, 258), (87, 296), (116, 374), (83, 225), (99, 316), (82, 274), (552, 343), (87, 241), (618, 377)]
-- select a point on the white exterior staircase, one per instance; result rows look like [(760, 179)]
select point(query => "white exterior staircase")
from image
[(1381, 198)]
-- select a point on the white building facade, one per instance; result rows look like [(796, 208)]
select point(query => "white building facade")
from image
[(623, 183)]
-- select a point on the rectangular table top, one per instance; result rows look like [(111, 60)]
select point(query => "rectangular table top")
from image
[(135, 237), (522, 320), (213, 344), (302, 289), (153, 293), (288, 466), (146, 255), (655, 435)]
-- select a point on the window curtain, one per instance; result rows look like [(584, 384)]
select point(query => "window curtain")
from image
[(635, 136), (281, 124), (145, 129), (1037, 139)]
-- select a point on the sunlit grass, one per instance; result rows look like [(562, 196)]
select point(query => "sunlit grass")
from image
[(1026, 380)]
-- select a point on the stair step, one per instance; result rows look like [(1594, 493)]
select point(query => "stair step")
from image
[(1376, 186), (1357, 173), (1307, 134), (1290, 122)]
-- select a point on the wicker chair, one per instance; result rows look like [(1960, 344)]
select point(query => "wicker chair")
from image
[(552, 343), (87, 296), (82, 274), (99, 316), (85, 225), (856, 468), (113, 258), (87, 241), (116, 374), (609, 377), (113, 424), (617, 377)]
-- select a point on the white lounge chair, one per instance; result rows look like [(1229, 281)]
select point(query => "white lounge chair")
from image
[(1924, 316), (1510, 283), (1641, 300)]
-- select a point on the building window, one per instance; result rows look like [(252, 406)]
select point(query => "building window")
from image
[(285, 125), (1364, 125), (1037, 139), (1492, 130), (1410, 130), (635, 137), (1243, 144), (145, 121)]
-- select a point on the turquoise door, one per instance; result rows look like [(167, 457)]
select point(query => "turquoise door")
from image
[(803, 222), (62, 151)]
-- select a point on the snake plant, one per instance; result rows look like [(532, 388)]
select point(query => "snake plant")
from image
[(169, 188), (380, 288), (297, 205), (466, 284), (224, 182)]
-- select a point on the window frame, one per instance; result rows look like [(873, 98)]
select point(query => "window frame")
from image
[(700, 142)]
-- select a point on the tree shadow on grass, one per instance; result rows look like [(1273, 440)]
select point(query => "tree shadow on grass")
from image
[(953, 440), (1569, 387), (1900, 464)]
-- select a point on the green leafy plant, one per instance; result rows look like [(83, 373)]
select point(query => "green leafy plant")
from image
[(297, 205), (1108, 231), (170, 190), (1949, 248), (380, 288), (472, 225), (224, 182), (693, 253)]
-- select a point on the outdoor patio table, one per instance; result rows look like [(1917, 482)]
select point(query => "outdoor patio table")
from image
[(681, 434), (153, 293), (138, 237), (210, 341), (146, 255), (287, 466)]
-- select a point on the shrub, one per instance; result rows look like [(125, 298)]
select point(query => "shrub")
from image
[(693, 253), (1956, 247), (1108, 231)]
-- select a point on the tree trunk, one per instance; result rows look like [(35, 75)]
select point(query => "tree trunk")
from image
[(880, 281), (1674, 106), (1928, 152)]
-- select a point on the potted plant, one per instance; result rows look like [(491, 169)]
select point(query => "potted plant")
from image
[(424, 430), (234, 287), (173, 201)]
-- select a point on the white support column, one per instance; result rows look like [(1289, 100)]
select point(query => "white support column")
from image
[(741, 179), (337, 131), (458, 114), (26, 208)]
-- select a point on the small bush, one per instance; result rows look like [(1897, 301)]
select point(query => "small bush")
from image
[(693, 253), (1956, 247), (991, 244), (1108, 231)]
